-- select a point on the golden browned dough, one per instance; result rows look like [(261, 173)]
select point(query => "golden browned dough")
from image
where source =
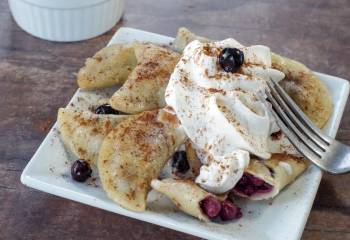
[(145, 87), (134, 153), (108, 67), (83, 132), (305, 88), (184, 37)]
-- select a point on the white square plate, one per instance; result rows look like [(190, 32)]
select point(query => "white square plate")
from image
[(282, 218)]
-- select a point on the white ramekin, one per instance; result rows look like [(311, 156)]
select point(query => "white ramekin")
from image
[(66, 20)]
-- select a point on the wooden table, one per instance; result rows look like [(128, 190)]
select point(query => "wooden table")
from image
[(37, 77)]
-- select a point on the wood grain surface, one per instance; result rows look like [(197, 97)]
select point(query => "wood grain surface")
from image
[(37, 77)]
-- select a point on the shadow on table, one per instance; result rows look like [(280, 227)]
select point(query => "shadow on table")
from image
[(331, 194)]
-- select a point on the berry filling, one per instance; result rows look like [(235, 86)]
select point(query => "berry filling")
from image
[(211, 206), (227, 210), (249, 185)]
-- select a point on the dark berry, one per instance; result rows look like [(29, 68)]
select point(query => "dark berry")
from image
[(229, 211), (81, 170), (211, 206), (106, 109), (179, 162), (231, 59)]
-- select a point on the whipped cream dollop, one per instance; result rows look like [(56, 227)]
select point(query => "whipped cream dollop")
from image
[(221, 173), (224, 114)]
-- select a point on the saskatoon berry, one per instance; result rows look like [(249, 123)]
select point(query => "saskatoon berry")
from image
[(81, 170), (231, 59)]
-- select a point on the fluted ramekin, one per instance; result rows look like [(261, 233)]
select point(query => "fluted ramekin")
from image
[(66, 20)]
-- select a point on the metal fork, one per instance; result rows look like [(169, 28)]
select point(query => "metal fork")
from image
[(327, 153)]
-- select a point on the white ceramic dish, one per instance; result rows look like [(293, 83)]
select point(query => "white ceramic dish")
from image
[(66, 20), (283, 218)]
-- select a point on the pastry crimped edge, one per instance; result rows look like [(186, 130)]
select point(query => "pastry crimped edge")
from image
[(108, 67), (144, 88), (134, 153), (83, 131)]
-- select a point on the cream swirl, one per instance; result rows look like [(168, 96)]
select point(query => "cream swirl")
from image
[(220, 174), (221, 112)]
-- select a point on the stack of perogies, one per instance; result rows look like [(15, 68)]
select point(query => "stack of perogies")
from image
[(131, 149)]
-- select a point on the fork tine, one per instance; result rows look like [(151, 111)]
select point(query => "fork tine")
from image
[(282, 103), (300, 115), (292, 128), (300, 146)]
